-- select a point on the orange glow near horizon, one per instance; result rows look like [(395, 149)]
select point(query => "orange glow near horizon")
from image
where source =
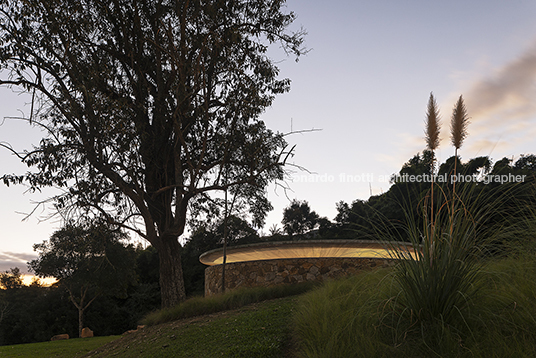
[(48, 281)]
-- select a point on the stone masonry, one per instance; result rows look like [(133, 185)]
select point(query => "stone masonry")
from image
[(285, 271)]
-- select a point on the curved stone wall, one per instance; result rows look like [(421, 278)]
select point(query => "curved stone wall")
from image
[(285, 271)]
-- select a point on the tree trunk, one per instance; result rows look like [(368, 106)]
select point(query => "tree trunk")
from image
[(80, 306), (80, 321), (171, 278)]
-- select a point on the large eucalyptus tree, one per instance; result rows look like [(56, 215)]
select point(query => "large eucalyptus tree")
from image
[(150, 107)]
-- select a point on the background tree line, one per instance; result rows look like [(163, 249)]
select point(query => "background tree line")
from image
[(404, 200)]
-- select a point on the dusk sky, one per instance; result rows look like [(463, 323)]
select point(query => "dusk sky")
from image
[(365, 83)]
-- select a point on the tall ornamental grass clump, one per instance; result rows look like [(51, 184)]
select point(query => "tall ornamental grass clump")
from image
[(438, 279), (450, 294), (440, 282), (440, 286)]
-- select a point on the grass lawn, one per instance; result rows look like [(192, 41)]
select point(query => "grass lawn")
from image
[(71, 348)]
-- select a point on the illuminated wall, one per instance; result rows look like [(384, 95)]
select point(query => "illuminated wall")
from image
[(286, 271)]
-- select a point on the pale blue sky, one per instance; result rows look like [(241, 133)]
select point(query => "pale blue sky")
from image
[(367, 80), (365, 83)]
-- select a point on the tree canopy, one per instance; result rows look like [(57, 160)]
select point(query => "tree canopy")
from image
[(298, 218), (150, 106)]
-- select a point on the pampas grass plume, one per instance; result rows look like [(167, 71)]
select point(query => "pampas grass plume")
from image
[(433, 124), (458, 124)]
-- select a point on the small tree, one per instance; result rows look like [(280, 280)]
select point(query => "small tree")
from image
[(298, 218), (88, 261)]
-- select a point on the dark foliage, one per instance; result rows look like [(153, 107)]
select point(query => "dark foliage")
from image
[(36, 313), (298, 219), (389, 211), (88, 260)]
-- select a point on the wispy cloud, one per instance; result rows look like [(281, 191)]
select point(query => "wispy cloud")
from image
[(502, 106), (509, 93), (10, 260)]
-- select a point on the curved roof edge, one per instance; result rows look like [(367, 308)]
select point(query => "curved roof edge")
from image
[(303, 249)]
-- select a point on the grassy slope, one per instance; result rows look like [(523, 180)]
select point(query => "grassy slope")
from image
[(257, 330)]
